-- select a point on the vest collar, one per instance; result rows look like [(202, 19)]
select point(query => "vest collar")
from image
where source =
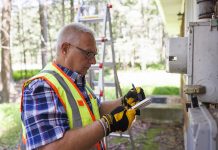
[(77, 78)]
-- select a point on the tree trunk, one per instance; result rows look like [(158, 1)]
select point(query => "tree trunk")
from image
[(50, 41), (71, 10), (63, 12), (5, 42), (21, 40), (44, 31)]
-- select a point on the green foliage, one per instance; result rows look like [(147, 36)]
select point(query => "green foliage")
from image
[(138, 66), (156, 66), (9, 124), (110, 94), (148, 90), (129, 2), (24, 74), (165, 90)]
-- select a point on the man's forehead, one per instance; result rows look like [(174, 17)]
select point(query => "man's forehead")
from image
[(87, 37)]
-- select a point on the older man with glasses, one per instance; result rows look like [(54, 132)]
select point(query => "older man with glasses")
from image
[(58, 108)]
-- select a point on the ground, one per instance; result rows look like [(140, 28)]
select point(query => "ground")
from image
[(150, 136)]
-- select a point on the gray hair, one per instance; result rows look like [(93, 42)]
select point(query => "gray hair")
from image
[(71, 33)]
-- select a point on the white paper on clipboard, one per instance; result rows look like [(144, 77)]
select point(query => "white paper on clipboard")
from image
[(142, 103)]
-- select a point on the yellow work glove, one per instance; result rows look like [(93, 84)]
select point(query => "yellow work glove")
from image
[(120, 119), (132, 97)]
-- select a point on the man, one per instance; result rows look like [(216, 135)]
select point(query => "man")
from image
[(58, 108)]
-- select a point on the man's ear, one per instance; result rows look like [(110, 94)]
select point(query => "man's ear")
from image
[(64, 48)]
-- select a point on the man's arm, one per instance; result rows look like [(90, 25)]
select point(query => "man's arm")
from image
[(107, 106), (78, 139)]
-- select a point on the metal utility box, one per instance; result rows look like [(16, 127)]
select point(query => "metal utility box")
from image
[(201, 133), (176, 55), (202, 59)]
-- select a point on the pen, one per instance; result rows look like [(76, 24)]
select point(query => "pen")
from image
[(138, 96), (133, 86)]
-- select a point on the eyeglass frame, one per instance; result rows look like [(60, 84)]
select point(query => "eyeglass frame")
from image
[(87, 52)]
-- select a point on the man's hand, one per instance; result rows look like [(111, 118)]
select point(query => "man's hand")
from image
[(120, 119), (133, 97)]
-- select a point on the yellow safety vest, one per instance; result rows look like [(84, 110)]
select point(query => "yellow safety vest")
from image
[(78, 111)]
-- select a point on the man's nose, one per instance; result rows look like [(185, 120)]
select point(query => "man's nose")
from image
[(92, 60)]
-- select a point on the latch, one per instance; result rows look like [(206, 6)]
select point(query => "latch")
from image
[(213, 23), (194, 89)]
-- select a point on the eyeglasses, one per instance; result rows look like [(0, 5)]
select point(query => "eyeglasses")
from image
[(87, 53)]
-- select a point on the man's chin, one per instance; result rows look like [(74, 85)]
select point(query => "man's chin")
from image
[(83, 73)]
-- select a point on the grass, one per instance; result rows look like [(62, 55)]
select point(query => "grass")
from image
[(24, 74), (148, 90), (165, 90), (150, 136), (156, 66), (146, 139), (9, 124)]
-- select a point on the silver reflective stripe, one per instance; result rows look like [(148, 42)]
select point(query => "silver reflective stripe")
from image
[(77, 121)]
